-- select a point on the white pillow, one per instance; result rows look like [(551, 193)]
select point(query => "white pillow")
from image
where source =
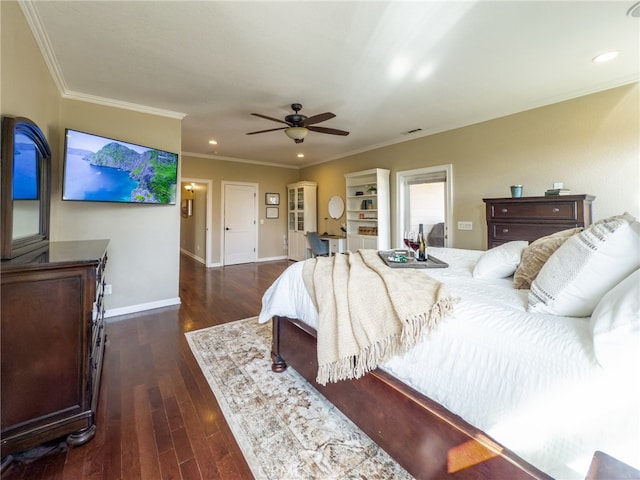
[(615, 324), (501, 261), (586, 267)]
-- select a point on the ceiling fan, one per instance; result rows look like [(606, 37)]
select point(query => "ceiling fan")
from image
[(299, 125)]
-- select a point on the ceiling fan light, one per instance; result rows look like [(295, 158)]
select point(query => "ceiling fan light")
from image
[(296, 133)]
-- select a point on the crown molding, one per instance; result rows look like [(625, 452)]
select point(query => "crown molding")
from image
[(44, 44), (239, 160), (110, 102), (42, 39)]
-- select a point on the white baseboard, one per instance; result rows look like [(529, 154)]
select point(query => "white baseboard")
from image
[(117, 312), (272, 259), (195, 257), (219, 264)]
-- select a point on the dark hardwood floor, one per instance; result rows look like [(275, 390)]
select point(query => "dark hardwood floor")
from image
[(157, 417)]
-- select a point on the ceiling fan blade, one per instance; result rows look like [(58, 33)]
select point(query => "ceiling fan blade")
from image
[(319, 118), (270, 130), (270, 118), (330, 131)]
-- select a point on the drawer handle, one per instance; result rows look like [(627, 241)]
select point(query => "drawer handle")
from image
[(504, 210), (555, 210), (505, 230)]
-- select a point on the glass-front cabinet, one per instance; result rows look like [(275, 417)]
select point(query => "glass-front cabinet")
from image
[(368, 219), (302, 217)]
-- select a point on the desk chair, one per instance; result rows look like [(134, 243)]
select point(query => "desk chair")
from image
[(435, 238), (319, 247)]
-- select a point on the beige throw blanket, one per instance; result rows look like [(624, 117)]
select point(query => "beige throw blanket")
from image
[(369, 312)]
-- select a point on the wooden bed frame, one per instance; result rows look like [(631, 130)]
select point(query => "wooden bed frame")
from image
[(425, 438)]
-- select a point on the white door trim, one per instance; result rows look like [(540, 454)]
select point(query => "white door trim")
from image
[(208, 234), (402, 179), (222, 210)]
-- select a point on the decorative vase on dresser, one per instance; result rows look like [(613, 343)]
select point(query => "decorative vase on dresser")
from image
[(302, 217), (53, 341), (525, 218), (368, 219)]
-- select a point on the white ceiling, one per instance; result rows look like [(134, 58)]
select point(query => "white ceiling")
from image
[(383, 68)]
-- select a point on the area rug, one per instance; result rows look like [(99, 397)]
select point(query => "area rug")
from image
[(285, 428)]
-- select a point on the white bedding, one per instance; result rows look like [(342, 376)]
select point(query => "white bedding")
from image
[(531, 381)]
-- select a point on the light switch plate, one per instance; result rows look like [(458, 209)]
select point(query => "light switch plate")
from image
[(465, 225)]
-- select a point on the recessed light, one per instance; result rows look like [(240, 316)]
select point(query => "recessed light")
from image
[(605, 57), (213, 142), (301, 155), (634, 11)]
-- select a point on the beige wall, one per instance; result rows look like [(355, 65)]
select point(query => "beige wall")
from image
[(269, 179), (27, 89), (591, 144), (144, 250)]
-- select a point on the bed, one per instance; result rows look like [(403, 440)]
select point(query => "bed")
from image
[(496, 390)]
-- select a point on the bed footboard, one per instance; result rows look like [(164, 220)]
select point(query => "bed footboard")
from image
[(421, 435)]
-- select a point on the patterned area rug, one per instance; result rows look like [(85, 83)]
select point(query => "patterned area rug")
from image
[(285, 428)]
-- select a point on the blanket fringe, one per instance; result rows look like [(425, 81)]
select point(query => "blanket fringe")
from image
[(356, 366)]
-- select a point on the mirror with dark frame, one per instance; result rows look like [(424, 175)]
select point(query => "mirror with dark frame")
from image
[(26, 187)]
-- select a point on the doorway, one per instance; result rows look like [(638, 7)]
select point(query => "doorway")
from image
[(424, 197), (240, 228), (202, 206)]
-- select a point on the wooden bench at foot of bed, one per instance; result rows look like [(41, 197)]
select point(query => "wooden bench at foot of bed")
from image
[(425, 438)]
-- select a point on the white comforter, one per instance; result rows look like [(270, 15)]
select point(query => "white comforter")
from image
[(530, 381)]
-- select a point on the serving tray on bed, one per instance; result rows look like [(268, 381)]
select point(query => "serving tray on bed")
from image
[(432, 262)]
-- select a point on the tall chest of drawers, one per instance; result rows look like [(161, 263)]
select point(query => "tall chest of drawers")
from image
[(53, 341), (529, 218)]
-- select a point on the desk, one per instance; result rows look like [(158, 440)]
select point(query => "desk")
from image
[(337, 244)]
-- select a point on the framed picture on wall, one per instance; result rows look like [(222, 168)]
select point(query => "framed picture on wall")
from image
[(272, 212), (272, 198)]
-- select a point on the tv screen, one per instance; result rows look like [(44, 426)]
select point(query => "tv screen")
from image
[(100, 169)]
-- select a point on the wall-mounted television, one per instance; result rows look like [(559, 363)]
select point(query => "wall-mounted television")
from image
[(100, 169)]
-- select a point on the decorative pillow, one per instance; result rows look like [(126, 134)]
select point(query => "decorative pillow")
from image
[(499, 262), (615, 324), (586, 267), (536, 254)]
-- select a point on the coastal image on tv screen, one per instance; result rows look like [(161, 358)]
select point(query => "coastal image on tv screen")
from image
[(100, 169)]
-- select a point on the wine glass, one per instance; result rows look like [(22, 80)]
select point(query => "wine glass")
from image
[(410, 240)]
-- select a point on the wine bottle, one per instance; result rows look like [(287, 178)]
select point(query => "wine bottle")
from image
[(422, 249)]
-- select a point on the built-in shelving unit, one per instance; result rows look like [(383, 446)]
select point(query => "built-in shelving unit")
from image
[(368, 219), (302, 217)]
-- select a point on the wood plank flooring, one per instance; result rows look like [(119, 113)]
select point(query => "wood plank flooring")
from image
[(157, 417)]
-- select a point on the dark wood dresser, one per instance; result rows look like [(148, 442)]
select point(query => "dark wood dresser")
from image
[(52, 344), (529, 218)]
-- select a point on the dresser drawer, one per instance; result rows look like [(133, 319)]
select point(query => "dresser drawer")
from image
[(541, 211), (508, 232)]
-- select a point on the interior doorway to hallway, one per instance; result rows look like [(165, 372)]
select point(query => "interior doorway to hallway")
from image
[(196, 222)]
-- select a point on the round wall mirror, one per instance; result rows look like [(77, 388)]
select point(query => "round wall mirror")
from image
[(336, 207)]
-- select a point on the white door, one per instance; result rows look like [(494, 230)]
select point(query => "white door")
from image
[(240, 226)]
